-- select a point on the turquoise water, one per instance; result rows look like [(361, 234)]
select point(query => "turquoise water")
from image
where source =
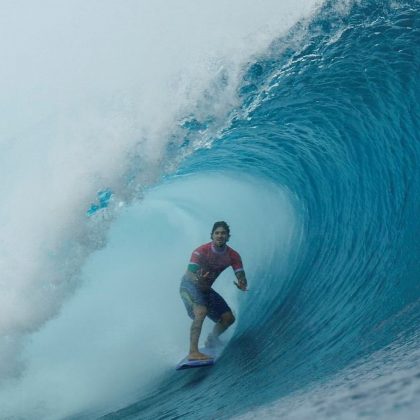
[(334, 120), (307, 145)]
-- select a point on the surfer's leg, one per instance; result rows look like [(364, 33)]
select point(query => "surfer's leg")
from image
[(200, 313), (219, 328), (220, 313), (196, 305), (226, 320)]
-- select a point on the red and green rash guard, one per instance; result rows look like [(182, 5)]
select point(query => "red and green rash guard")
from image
[(206, 258)]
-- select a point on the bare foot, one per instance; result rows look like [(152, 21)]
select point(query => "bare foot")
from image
[(197, 355)]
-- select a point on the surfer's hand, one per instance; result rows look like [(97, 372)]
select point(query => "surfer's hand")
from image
[(201, 276), (241, 285)]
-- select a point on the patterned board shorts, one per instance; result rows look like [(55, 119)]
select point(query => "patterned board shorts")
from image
[(191, 294)]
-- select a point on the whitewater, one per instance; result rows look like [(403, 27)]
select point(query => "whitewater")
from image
[(129, 128)]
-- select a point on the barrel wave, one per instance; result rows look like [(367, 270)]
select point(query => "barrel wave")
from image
[(335, 123), (316, 168)]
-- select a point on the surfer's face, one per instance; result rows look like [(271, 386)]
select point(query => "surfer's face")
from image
[(219, 237)]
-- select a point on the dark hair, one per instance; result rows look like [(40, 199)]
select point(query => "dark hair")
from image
[(222, 224)]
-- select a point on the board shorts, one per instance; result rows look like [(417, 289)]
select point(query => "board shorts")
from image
[(191, 294)]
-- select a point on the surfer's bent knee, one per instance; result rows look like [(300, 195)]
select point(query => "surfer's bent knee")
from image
[(228, 318), (200, 312)]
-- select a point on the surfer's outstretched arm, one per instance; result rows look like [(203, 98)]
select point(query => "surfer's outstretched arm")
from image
[(242, 282)]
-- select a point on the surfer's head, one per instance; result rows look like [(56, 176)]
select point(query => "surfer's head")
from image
[(220, 233)]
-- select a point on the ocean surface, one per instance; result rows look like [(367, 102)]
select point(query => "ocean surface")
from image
[(129, 129)]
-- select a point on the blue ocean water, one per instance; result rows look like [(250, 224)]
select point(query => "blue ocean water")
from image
[(315, 166), (331, 116)]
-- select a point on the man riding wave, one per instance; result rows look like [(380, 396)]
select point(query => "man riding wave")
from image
[(200, 299)]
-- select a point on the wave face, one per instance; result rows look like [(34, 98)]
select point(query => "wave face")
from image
[(334, 121), (316, 168)]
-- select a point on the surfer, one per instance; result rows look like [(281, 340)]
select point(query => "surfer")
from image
[(207, 262)]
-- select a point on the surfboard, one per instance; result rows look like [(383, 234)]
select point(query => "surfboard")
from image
[(188, 364)]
